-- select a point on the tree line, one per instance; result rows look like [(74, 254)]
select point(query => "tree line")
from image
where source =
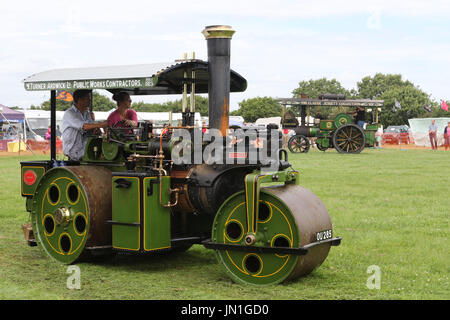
[(413, 102)]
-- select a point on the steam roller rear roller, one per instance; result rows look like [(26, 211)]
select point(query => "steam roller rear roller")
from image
[(70, 209), (290, 217)]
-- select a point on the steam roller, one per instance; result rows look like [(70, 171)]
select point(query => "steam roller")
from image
[(70, 210), (162, 189)]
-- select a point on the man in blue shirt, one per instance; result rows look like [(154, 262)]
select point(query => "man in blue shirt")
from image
[(77, 120), (432, 129)]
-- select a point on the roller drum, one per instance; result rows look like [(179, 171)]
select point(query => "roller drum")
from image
[(289, 216), (311, 217), (70, 209)]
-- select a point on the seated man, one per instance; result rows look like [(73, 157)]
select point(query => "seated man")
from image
[(77, 120)]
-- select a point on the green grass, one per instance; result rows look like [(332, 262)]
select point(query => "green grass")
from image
[(391, 207)]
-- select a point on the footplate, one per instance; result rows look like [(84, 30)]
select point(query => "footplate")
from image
[(208, 244)]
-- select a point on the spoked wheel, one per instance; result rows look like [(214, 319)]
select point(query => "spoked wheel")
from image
[(349, 139), (298, 144), (289, 216), (71, 207)]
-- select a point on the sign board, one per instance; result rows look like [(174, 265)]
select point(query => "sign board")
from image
[(341, 103), (92, 84)]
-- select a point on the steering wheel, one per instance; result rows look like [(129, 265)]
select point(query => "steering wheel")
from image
[(118, 130), (120, 123)]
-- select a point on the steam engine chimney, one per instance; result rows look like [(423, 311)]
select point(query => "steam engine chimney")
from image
[(219, 41)]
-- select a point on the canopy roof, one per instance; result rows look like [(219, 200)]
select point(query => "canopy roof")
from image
[(142, 79), (10, 114), (327, 102)]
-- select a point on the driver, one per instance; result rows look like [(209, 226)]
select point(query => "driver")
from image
[(360, 116), (123, 116), (77, 120)]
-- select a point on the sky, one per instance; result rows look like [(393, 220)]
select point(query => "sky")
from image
[(277, 44)]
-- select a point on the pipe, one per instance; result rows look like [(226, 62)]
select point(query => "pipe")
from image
[(52, 125), (192, 102), (184, 103), (218, 39)]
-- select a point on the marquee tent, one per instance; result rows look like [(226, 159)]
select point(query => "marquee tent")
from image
[(419, 129), (11, 123), (10, 114)]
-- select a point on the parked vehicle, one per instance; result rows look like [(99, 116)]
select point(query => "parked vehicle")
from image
[(397, 135)]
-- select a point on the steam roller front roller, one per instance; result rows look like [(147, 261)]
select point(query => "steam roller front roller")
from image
[(286, 236), (70, 208)]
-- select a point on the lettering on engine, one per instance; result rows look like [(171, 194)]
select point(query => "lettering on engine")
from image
[(324, 235)]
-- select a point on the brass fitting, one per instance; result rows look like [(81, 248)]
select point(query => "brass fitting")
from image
[(62, 216), (218, 31)]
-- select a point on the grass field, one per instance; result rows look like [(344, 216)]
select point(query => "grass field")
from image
[(390, 206)]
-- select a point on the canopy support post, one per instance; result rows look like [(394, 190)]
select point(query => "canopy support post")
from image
[(53, 124)]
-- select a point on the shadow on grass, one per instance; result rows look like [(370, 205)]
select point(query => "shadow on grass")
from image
[(194, 258)]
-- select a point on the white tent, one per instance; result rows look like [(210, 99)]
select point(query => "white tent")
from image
[(277, 121), (266, 121), (237, 118), (160, 118), (419, 129), (102, 115), (39, 120)]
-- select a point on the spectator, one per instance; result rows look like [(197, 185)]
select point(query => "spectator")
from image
[(11, 133), (432, 129), (48, 134), (285, 138), (447, 136), (165, 130), (378, 137)]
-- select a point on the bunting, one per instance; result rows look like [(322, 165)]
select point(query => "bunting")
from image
[(64, 95), (397, 105), (427, 107)]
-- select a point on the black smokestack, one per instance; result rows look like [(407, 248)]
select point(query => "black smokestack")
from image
[(219, 43)]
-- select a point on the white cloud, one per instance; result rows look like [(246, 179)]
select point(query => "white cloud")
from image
[(374, 21), (276, 45), (142, 10)]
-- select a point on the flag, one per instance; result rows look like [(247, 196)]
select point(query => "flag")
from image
[(444, 105), (397, 105), (427, 107), (64, 95)]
